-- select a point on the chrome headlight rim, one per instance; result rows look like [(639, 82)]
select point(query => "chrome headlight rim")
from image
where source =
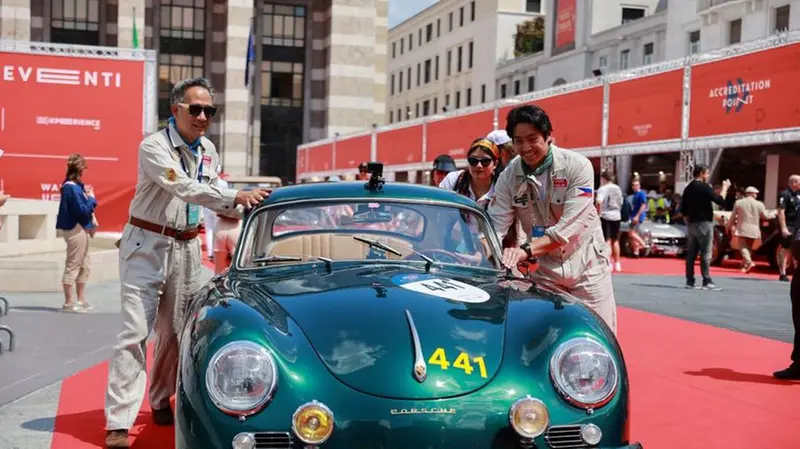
[(562, 391), (270, 393)]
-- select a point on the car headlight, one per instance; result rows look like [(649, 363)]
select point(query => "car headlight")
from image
[(584, 372), (241, 378)]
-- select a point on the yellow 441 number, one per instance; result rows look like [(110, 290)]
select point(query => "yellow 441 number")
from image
[(462, 362)]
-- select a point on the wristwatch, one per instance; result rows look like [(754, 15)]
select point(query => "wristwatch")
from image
[(527, 248)]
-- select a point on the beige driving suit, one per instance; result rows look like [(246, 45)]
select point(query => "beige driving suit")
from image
[(580, 266), (159, 273), (746, 219)]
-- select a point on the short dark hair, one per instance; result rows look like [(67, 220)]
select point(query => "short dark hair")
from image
[(179, 90), (607, 176), (699, 169), (532, 115)]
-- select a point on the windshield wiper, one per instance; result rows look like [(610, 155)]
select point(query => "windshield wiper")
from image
[(275, 258), (380, 245)]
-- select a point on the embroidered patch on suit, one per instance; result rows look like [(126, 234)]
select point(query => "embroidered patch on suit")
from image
[(560, 182), (171, 175), (584, 192)]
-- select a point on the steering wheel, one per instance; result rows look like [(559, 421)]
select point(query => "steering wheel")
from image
[(439, 255)]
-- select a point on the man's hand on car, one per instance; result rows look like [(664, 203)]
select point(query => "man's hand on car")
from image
[(250, 198)]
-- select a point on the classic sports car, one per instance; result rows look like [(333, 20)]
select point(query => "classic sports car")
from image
[(396, 327), (661, 239)]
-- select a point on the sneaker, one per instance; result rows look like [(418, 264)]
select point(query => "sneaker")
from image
[(712, 286), (689, 287), (117, 439), (783, 278), (791, 373)]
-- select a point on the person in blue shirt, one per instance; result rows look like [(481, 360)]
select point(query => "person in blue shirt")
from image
[(638, 202), (77, 225)]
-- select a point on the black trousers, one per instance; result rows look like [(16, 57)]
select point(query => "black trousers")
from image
[(794, 290)]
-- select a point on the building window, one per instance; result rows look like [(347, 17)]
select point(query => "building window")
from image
[(391, 87), (173, 68), (419, 38), (483, 93), (450, 22), (647, 57), (419, 73), (461, 16), (408, 79), (410, 41), (426, 107), (435, 105), (446, 103), (624, 59), (416, 110), (735, 31), (429, 32), (400, 82), (394, 50), (694, 42), (438, 27), (427, 71), (399, 115), (782, 19), (503, 90), (402, 45), (631, 14), (408, 112), (469, 55), (517, 87), (460, 57), (391, 116), (458, 99), (282, 84), (472, 11), (75, 22), (449, 62), (436, 69), (531, 83), (284, 26), (469, 96), (533, 6), (603, 63)]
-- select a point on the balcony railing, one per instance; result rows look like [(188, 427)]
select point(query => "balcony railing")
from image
[(705, 5)]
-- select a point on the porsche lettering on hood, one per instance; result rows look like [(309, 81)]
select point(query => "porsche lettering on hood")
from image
[(404, 334)]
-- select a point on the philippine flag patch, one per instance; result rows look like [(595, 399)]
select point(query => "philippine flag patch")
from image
[(586, 192)]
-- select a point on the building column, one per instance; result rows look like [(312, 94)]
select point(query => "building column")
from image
[(15, 20), (771, 184), (127, 12), (234, 147)]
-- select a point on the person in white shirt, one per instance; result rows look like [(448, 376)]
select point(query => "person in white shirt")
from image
[(504, 144), (609, 206)]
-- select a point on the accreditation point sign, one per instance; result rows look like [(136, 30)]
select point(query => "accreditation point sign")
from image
[(52, 106)]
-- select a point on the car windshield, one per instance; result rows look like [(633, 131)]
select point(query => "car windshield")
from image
[(369, 231)]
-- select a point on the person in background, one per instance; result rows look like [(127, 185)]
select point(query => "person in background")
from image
[(793, 371), (210, 224), (363, 173), (504, 144), (226, 233), (658, 207), (76, 223), (639, 207), (442, 166), (698, 214), (788, 205), (550, 190), (609, 205), (674, 209), (745, 226)]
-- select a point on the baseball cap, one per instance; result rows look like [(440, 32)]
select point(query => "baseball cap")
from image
[(499, 137), (445, 163)]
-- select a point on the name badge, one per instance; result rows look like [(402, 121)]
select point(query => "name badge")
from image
[(537, 231), (560, 183), (193, 215)]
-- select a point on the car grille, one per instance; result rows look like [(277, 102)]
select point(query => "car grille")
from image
[(564, 437), (273, 440)]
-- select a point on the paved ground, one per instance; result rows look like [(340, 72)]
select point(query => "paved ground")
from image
[(52, 345)]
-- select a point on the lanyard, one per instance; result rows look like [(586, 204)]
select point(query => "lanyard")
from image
[(183, 164)]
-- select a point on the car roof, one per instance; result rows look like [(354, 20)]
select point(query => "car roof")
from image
[(356, 189)]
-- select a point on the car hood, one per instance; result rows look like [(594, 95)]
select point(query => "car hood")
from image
[(362, 323), (663, 230)]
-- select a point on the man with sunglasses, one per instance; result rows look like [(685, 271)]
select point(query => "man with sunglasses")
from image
[(550, 190), (160, 255)]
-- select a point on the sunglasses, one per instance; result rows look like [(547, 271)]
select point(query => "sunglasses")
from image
[(196, 109), (474, 161)]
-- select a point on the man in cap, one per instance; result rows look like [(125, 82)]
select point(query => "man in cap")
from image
[(550, 190), (745, 225), (503, 142), (442, 165), (159, 255)]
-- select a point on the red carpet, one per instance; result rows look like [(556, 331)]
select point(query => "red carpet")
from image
[(672, 266), (693, 387)]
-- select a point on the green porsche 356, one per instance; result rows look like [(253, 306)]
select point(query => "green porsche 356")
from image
[(372, 315)]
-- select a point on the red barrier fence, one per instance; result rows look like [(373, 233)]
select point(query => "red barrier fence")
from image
[(54, 105), (742, 95)]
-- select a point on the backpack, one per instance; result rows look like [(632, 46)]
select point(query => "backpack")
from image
[(626, 211)]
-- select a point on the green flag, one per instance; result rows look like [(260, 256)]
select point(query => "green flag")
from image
[(135, 31)]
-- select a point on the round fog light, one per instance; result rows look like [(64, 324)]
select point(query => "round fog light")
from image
[(244, 441), (313, 423), (529, 417), (591, 434)]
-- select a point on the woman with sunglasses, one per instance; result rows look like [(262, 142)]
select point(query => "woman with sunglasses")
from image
[(477, 181)]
